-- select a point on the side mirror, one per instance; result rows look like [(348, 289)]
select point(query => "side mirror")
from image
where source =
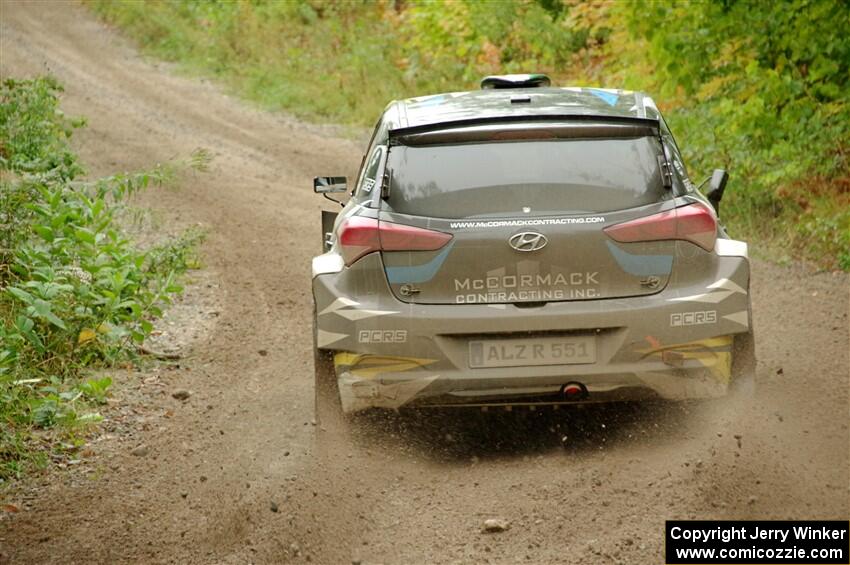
[(329, 185), (716, 186)]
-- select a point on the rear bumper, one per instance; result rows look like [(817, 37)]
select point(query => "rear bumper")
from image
[(377, 382), (683, 342)]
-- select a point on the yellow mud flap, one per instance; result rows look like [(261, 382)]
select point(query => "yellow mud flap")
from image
[(364, 383), (715, 354)]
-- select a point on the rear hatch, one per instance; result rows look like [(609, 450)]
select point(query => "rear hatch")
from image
[(526, 209)]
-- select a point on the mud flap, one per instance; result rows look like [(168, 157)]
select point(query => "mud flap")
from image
[(359, 393), (718, 358), (368, 381)]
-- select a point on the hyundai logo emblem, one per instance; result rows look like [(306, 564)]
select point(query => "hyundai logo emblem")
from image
[(528, 241)]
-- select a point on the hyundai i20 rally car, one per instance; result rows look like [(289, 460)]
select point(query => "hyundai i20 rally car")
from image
[(526, 245)]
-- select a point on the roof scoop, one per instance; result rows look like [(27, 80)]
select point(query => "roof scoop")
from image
[(536, 80)]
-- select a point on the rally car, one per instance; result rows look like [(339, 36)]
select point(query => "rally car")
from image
[(524, 244)]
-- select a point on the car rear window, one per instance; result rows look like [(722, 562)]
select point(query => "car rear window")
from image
[(509, 178)]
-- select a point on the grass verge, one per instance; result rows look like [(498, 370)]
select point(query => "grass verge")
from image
[(772, 107)]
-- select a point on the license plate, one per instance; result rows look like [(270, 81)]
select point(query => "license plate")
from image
[(531, 352)]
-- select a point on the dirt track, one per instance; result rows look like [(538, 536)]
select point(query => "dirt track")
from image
[(589, 486)]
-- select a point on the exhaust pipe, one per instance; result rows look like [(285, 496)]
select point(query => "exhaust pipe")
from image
[(574, 391)]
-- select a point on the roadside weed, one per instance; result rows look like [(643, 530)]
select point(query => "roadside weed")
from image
[(76, 292)]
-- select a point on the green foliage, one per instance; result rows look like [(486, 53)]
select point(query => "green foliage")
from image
[(96, 390), (344, 61), (75, 292), (772, 106), (35, 141), (760, 88)]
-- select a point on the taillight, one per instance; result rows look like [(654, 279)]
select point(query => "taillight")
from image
[(359, 236), (695, 223)]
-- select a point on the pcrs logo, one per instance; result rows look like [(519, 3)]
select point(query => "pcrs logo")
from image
[(679, 319), (382, 336)]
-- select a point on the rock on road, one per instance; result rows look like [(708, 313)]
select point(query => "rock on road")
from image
[(238, 474)]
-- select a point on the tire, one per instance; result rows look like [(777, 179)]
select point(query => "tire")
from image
[(743, 382), (328, 408)]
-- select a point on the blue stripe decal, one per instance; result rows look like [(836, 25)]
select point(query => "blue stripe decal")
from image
[(432, 101), (641, 265), (609, 97), (419, 273)]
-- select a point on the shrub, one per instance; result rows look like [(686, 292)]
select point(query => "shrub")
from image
[(75, 291)]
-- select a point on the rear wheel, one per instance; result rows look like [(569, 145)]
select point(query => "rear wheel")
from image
[(743, 366), (328, 408)]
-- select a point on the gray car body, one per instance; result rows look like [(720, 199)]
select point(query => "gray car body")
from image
[(688, 334)]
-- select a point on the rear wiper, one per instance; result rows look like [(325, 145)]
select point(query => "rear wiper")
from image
[(385, 183)]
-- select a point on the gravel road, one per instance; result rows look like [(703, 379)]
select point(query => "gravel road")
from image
[(237, 472)]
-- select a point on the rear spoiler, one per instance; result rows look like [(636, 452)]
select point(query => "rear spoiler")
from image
[(512, 128)]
